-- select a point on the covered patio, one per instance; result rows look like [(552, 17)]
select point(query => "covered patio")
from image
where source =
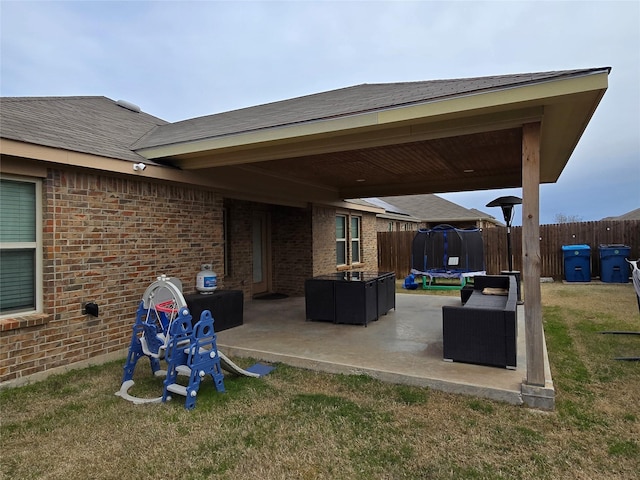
[(403, 347), (398, 139), (311, 153)]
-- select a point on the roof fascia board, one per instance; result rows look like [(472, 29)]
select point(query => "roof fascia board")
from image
[(244, 184), (67, 158), (342, 205), (352, 206), (368, 138), (458, 219), (23, 167), (402, 218), (270, 134), (550, 171), (541, 91)]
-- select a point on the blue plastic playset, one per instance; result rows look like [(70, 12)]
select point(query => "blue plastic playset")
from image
[(164, 330)]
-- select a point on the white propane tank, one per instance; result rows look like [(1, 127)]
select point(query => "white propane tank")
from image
[(206, 280)]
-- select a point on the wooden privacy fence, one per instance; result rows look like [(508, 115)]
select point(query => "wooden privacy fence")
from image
[(394, 248)]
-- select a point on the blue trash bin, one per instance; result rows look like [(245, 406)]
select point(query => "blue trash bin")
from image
[(613, 266), (577, 263)]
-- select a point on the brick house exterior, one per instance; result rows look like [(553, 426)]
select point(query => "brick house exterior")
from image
[(106, 238), (104, 230)]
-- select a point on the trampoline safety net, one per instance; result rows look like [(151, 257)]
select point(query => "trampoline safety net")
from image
[(445, 248)]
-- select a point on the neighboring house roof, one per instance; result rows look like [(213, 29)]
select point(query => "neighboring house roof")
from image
[(632, 215), (434, 209), (485, 216), (93, 125), (332, 104), (391, 212), (387, 206), (398, 217)]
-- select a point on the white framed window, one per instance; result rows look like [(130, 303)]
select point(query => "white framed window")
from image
[(355, 239), (348, 239), (20, 245), (341, 240)]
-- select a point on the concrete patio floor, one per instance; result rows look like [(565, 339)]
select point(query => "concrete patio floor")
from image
[(403, 347)]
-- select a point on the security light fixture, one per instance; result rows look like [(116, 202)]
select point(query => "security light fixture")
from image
[(138, 167)]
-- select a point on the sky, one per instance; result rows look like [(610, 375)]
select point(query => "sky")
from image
[(184, 59)]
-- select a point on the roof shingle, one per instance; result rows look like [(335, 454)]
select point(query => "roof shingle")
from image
[(336, 103), (432, 208), (94, 125)]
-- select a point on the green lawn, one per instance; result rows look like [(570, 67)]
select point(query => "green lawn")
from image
[(299, 424)]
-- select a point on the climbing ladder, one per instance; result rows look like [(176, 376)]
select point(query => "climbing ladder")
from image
[(192, 352)]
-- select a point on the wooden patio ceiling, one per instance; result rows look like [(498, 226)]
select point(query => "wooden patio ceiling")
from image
[(478, 161)]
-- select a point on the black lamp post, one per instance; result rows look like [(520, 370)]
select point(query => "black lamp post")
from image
[(507, 204)]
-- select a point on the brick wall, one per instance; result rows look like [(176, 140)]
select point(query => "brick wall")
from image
[(369, 242), (324, 240), (105, 240), (239, 275), (290, 239), (292, 257)]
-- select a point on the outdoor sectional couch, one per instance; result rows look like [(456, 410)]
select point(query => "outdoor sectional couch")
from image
[(484, 329)]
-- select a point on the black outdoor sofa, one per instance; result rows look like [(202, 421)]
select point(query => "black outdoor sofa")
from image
[(484, 329)]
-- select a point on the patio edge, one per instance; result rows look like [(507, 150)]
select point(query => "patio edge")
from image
[(513, 397)]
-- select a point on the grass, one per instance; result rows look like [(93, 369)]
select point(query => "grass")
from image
[(299, 424)]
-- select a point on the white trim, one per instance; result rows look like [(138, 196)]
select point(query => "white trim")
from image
[(343, 240), (355, 239), (37, 246)]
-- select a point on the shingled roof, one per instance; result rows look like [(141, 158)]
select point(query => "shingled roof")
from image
[(433, 209), (371, 140), (336, 103), (632, 215), (94, 125)]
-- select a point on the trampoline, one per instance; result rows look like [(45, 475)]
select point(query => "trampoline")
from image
[(447, 252)]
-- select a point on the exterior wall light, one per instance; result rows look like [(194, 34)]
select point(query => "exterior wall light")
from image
[(138, 167)]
